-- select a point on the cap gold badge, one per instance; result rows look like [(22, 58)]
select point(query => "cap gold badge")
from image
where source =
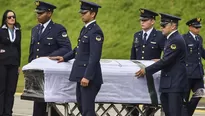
[(173, 46), (37, 3), (198, 19), (142, 11), (98, 38)]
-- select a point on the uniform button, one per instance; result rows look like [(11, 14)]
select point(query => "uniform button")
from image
[(199, 58), (37, 56), (187, 65), (198, 53), (78, 40), (84, 64), (37, 49), (142, 57), (77, 46), (49, 43), (152, 47), (38, 43), (76, 53), (143, 52), (143, 46)]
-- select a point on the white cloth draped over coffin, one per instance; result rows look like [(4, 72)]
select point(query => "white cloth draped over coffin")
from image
[(120, 84)]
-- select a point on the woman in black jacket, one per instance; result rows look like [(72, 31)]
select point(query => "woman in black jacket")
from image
[(10, 55)]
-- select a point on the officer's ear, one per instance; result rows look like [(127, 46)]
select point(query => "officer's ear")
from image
[(93, 14), (49, 14), (173, 26), (152, 21)]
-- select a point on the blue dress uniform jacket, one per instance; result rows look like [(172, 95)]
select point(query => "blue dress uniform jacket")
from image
[(87, 55), (151, 50), (195, 51), (172, 65), (54, 41), (10, 52)]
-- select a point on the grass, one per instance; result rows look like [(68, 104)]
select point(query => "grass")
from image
[(119, 19)]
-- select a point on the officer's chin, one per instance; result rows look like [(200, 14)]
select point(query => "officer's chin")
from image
[(40, 20), (83, 19)]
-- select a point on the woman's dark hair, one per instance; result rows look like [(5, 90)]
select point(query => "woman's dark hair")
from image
[(5, 17)]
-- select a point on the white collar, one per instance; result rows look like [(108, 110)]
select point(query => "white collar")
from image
[(86, 25), (5, 27), (192, 34), (148, 32), (171, 34)]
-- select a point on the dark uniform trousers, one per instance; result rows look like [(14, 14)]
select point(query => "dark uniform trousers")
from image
[(52, 42), (194, 67), (86, 98), (172, 103), (151, 49), (194, 84), (8, 83), (39, 109)]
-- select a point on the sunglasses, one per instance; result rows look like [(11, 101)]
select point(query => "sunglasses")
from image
[(9, 17), (144, 20), (197, 27), (40, 13), (164, 24), (84, 12)]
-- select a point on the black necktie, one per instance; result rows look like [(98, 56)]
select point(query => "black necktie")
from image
[(145, 37), (40, 32), (196, 38)]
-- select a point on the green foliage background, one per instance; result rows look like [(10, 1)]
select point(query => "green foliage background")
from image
[(119, 19)]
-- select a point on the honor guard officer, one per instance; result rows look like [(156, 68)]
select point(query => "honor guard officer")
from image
[(194, 65), (47, 39), (148, 43), (173, 82), (86, 70)]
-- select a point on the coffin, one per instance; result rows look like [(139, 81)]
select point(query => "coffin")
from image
[(46, 80)]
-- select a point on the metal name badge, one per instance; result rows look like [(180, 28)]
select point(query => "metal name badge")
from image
[(2, 50), (153, 42), (190, 45), (85, 36), (49, 38)]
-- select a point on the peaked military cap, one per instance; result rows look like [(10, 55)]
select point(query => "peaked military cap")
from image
[(88, 6), (196, 22), (147, 14), (43, 6), (167, 18)]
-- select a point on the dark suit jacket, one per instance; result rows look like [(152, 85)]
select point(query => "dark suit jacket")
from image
[(153, 48), (54, 41), (87, 55), (172, 65), (195, 51), (10, 52)]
